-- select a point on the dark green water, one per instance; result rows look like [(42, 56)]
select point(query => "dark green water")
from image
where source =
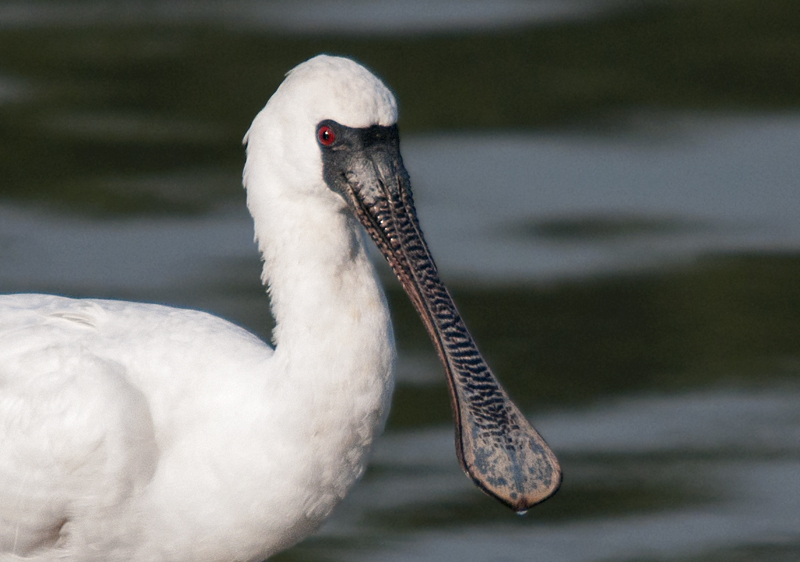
[(652, 333)]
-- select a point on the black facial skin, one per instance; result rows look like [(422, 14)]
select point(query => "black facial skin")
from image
[(357, 155), (496, 445)]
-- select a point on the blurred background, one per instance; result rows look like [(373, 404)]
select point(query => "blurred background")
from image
[(611, 189)]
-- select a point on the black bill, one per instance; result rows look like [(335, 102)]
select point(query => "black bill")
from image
[(496, 445)]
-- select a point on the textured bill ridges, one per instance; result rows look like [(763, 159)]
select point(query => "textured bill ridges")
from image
[(496, 445)]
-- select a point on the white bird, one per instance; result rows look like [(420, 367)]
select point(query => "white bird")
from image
[(137, 432)]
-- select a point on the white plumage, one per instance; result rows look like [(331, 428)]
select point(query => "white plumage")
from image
[(139, 432)]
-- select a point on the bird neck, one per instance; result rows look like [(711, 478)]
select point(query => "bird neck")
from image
[(334, 347), (332, 325)]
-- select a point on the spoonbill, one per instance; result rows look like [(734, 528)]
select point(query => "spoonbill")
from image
[(142, 433)]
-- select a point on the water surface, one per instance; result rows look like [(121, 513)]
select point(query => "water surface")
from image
[(609, 188)]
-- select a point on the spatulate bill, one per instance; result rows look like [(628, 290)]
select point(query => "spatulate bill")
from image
[(496, 445)]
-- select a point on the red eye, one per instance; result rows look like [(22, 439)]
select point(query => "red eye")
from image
[(326, 135)]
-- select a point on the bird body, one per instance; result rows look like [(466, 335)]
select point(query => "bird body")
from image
[(143, 433), (155, 433)]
